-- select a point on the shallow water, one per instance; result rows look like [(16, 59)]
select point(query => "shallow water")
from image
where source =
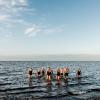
[(15, 85)]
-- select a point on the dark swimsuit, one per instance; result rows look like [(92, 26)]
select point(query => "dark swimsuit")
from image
[(58, 73), (39, 73), (62, 74), (43, 72), (66, 74), (48, 73), (79, 72), (30, 72)]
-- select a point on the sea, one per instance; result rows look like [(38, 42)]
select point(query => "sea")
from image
[(15, 84)]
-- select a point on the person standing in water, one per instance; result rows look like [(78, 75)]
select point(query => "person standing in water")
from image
[(78, 73), (66, 72), (58, 74), (39, 73), (61, 72), (49, 73), (43, 71), (30, 71)]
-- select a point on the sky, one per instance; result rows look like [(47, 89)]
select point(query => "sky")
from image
[(49, 27)]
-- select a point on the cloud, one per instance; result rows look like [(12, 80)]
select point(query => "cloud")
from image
[(12, 14), (42, 29), (32, 31), (13, 7), (9, 3), (4, 17)]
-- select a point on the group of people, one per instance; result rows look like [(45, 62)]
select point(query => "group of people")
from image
[(60, 73)]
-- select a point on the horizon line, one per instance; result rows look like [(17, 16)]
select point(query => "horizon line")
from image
[(50, 55)]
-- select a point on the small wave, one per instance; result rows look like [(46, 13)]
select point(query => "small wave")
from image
[(75, 84), (98, 89), (75, 78), (25, 92), (76, 92), (94, 90), (4, 74), (20, 88), (5, 84), (52, 96)]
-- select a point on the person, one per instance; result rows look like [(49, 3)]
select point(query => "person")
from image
[(30, 70), (78, 73), (66, 72), (61, 72), (39, 73), (58, 74), (43, 71), (49, 73)]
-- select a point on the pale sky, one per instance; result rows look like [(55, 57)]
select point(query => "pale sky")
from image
[(49, 27)]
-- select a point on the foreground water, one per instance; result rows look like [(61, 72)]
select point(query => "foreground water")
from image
[(15, 85)]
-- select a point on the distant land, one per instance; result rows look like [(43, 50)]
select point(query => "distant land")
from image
[(51, 58)]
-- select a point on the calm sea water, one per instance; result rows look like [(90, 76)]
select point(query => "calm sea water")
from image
[(15, 85)]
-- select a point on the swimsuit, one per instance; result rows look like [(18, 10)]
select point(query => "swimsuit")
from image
[(61, 73), (58, 73), (48, 73), (39, 73), (79, 72), (43, 72), (30, 72), (66, 74)]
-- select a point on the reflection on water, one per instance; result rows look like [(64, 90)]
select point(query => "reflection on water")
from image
[(14, 82), (66, 82), (58, 83), (49, 88), (30, 82), (49, 82), (59, 88), (79, 80)]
